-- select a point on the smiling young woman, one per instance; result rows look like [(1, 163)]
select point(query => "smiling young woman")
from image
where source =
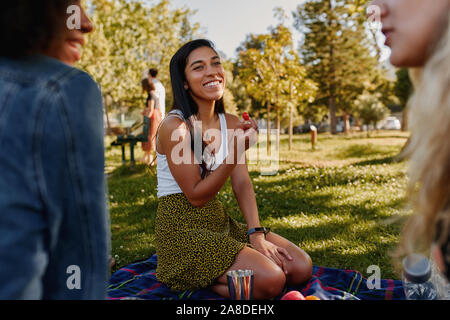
[(197, 242), (205, 76)]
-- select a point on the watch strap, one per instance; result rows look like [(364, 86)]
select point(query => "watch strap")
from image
[(258, 230)]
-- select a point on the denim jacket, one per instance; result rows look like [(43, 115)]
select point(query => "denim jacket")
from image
[(54, 223)]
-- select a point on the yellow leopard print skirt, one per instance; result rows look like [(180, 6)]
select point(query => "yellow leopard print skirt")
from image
[(195, 246)]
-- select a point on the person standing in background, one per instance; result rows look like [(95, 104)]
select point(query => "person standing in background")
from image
[(160, 90), (146, 145), (153, 113)]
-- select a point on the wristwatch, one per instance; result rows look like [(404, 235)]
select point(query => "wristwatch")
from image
[(259, 229)]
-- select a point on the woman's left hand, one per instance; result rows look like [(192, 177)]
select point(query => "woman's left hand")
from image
[(273, 252)]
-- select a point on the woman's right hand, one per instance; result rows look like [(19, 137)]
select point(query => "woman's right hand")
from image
[(250, 129), (243, 137)]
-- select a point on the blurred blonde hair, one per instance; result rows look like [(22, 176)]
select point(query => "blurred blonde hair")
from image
[(429, 151)]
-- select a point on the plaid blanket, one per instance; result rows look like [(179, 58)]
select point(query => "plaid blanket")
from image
[(138, 281)]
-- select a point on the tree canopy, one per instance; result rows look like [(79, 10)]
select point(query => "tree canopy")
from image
[(337, 52), (129, 38)]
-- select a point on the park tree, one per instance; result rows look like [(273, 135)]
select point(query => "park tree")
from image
[(403, 89), (337, 52), (370, 109), (228, 96), (272, 74), (244, 101), (129, 38)]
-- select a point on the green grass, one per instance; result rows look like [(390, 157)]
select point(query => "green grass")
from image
[(343, 203)]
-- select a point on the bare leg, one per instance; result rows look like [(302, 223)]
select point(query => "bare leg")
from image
[(269, 279), (300, 268)]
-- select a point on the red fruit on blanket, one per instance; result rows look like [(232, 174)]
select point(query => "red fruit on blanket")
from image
[(293, 295), (245, 116)]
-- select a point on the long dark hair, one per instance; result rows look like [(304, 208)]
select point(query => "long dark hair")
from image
[(27, 27), (183, 100)]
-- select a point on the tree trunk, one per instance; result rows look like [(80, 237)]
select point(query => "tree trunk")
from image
[(269, 106), (278, 128), (332, 105), (332, 100), (291, 126)]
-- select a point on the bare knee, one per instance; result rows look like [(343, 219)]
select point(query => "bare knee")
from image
[(269, 284), (301, 270)]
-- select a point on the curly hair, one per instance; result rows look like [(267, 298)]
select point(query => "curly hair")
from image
[(27, 26)]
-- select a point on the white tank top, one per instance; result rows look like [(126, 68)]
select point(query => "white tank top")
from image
[(166, 182)]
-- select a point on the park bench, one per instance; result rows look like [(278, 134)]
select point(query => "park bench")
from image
[(137, 133)]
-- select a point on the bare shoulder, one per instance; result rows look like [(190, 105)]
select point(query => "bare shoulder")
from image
[(169, 125), (232, 120)]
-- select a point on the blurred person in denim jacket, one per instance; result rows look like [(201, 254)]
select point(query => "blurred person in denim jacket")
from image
[(54, 225)]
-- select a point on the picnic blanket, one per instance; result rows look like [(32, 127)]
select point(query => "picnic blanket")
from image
[(138, 281)]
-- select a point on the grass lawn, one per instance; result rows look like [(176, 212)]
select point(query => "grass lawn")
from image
[(343, 203)]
